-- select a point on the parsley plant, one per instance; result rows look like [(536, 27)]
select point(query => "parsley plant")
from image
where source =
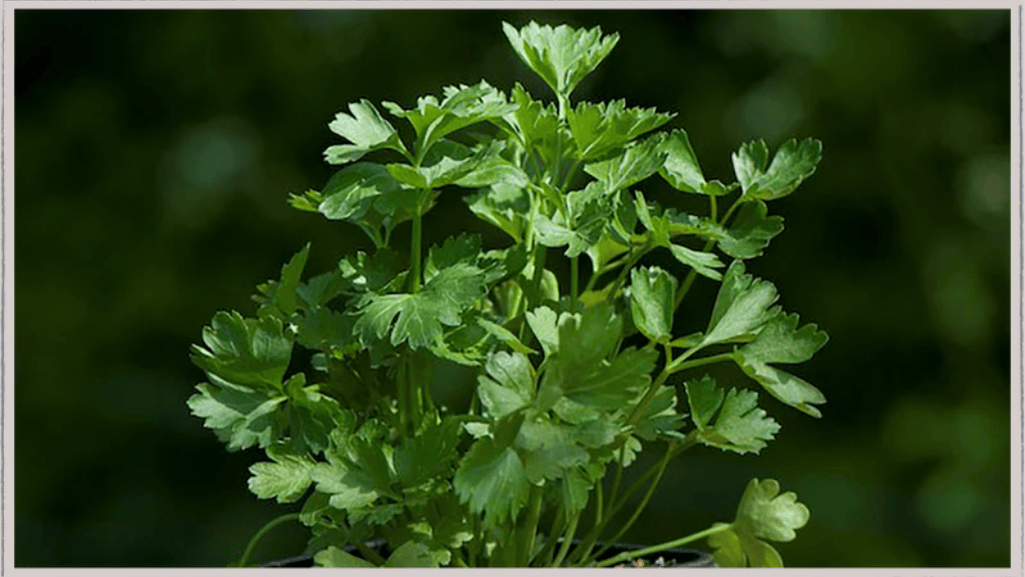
[(573, 381)]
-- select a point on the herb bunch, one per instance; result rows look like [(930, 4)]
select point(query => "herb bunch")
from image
[(573, 381)]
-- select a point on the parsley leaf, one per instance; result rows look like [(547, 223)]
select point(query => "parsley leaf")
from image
[(509, 385), (601, 128), (365, 129), (239, 417), (579, 371), (741, 307), (419, 317), (751, 231), (741, 426), (781, 342), (561, 56), (491, 478), (461, 106), (286, 478), (249, 353), (793, 163), (637, 162), (762, 514), (682, 170), (651, 302)]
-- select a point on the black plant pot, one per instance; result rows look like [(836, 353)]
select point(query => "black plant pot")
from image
[(692, 558)]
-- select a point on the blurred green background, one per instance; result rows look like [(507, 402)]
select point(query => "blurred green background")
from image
[(155, 150)]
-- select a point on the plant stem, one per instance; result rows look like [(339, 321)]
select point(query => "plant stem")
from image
[(680, 366), (662, 547), (567, 539), (415, 250), (263, 531), (644, 502), (574, 279), (369, 554), (545, 556), (528, 532)]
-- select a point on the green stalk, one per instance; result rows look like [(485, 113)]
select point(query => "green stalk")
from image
[(528, 531), (662, 547), (567, 540), (574, 278), (263, 531), (678, 366), (545, 556), (644, 502), (415, 250), (369, 554)]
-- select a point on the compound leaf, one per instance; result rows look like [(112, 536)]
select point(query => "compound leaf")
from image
[(561, 56), (286, 478), (365, 129)]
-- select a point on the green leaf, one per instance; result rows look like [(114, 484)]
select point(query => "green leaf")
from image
[(681, 169), (544, 323), (240, 418), (780, 384), (311, 415), (351, 191), (286, 478), (741, 426), (246, 353), (741, 307), (411, 554), (548, 449), (652, 291), (762, 514), (704, 398), (462, 106), (604, 384), (504, 205), (601, 128), (794, 162), (491, 479), (445, 163), (751, 231), (335, 557), (365, 129), (282, 294), (577, 236), (782, 342), (462, 249), (509, 385), (419, 318), (427, 454), (660, 416), (505, 336), (561, 56), (355, 476), (637, 162), (704, 263)]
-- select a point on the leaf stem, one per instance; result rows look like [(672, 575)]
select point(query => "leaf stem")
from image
[(574, 279), (662, 547), (567, 539), (415, 250), (679, 366), (528, 532), (644, 502), (263, 531)]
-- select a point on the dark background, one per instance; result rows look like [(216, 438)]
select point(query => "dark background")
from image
[(155, 150)]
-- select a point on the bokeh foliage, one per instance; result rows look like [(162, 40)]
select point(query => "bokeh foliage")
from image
[(155, 151)]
